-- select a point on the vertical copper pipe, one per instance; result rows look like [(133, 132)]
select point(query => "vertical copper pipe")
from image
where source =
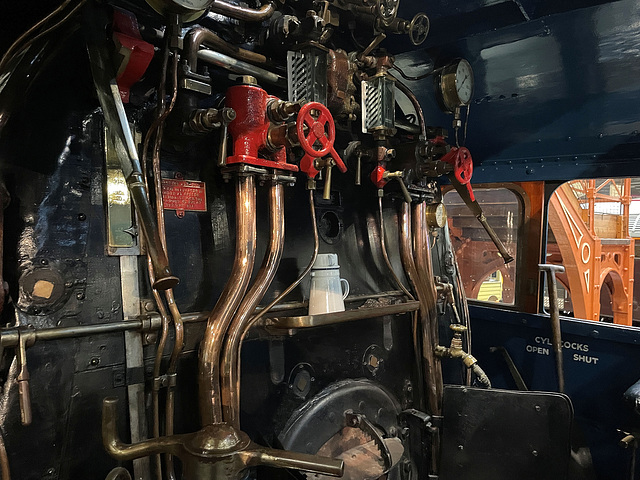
[(222, 314), (424, 268), (230, 361), (406, 252)]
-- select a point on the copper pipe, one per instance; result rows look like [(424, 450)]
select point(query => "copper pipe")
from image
[(222, 314), (230, 361), (385, 255), (202, 36), (156, 131), (243, 13), (123, 452), (305, 272), (406, 252), (416, 105), (424, 268)]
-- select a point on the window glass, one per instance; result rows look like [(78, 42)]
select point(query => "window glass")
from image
[(592, 225), (484, 274)]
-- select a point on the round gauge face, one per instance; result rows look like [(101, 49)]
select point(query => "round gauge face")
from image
[(464, 82), (436, 215), (455, 85)]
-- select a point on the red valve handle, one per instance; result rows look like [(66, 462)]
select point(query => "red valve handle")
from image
[(460, 159), (316, 132)]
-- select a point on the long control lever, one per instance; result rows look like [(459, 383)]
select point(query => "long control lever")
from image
[(460, 177)]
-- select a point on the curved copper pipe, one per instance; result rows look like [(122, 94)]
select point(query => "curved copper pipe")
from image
[(406, 252), (202, 36), (230, 361), (222, 314), (243, 13), (314, 255), (385, 255), (424, 268)]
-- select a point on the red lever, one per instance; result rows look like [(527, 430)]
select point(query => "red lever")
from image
[(460, 159), (316, 132)]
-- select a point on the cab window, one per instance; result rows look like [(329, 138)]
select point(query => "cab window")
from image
[(485, 276)]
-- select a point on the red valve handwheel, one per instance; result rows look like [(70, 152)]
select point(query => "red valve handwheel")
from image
[(460, 159), (316, 132)]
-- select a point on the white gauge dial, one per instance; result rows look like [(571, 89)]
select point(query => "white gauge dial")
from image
[(464, 82), (455, 85), (436, 215)]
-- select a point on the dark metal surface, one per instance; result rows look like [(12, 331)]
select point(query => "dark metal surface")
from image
[(502, 435)]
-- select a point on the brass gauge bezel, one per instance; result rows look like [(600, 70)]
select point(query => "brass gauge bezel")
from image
[(436, 215), (448, 89)]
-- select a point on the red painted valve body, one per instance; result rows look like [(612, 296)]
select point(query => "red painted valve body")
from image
[(377, 176), (462, 163), (250, 128)]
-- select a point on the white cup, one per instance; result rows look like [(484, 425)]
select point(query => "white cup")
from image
[(326, 295)]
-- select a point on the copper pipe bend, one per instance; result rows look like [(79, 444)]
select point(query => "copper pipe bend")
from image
[(199, 36), (233, 293), (230, 369), (244, 13)]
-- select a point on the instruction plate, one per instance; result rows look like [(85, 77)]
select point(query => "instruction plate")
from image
[(184, 195)]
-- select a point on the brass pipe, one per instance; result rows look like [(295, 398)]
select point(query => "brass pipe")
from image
[(300, 461), (243, 13), (230, 361), (199, 36), (124, 452), (222, 314), (424, 268), (406, 252), (216, 451)]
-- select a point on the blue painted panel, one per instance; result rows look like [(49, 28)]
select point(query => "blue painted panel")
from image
[(601, 361), (556, 97)]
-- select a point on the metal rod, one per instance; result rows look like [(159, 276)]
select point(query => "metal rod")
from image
[(240, 67), (554, 314), (232, 295), (310, 321), (243, 13), (199, 36), (230, 360), (126, 150)]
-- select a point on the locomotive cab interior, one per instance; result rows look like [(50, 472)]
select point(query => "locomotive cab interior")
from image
[(358, 239)]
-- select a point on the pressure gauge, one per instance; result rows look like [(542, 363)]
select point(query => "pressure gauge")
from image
[(454, 85), (188, 9), (436, 215)]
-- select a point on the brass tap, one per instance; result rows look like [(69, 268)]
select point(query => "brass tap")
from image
[(216, 451)]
